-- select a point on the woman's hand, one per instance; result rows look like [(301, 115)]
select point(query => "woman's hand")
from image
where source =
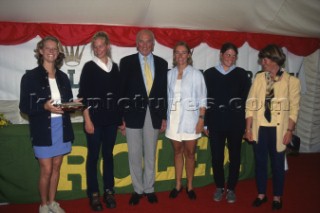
[(248, 135), (88, 126), (206, 131), (248, 131), (287, 137), (200, 125), (54, 109)]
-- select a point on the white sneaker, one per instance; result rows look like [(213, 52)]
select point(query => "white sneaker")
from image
[(54, 207), (44, 209)]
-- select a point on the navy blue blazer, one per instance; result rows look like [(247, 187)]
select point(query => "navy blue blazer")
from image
[(34, 92), (134, 99)]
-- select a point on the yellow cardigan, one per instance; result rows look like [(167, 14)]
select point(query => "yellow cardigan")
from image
[(285, 102)]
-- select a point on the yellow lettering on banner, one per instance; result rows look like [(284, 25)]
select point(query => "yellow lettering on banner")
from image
[(67, 168), (71, 169), (200, 170), (169, 174), (126, 181)]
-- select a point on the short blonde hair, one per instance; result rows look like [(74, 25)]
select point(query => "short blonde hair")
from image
[(102, 35)]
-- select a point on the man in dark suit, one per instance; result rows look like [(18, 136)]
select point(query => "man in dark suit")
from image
[(144, 92)]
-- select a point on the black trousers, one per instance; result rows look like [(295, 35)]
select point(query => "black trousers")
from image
[(104, 138), (218, 141)]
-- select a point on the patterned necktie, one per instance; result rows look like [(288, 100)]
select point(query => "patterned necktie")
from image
[(269, 96), (270, 93), (148, 75)]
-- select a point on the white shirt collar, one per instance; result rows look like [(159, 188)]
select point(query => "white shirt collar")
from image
[(222, 71), (106, 67)]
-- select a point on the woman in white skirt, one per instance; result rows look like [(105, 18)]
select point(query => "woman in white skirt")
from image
[(185, 116)]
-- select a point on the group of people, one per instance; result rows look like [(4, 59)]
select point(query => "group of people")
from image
[(182, 102)]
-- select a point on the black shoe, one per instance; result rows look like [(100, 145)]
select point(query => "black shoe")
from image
[(258, 202), (152, 197), (135, 198), (191, 194), (276, 205), (108, 198), (174, 193), (95, 203)]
